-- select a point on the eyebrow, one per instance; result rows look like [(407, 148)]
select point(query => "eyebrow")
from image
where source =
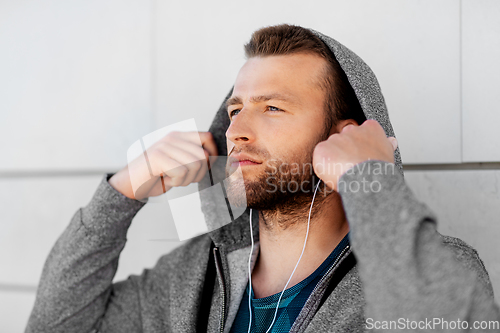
[(263, 98)]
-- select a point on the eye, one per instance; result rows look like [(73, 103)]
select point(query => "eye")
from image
[(273, 109), (233, 113), (268, 108)]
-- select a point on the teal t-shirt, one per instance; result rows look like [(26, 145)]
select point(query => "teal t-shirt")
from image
[(291, 303)]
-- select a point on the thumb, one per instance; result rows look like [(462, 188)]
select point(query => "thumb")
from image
[(394, 142)]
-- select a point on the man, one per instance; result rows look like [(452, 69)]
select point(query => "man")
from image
[(370, 255)]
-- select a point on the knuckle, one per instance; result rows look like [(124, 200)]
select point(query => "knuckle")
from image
[(196, 165), (373, 123), (182, 172), (206, 155), (210, 136), (349, 127), (161, 146), (321, 149), (153, 155), (171, 136), (334, 137), (176, 181)]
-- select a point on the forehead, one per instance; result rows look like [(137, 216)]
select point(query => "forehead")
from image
[(292, 75)]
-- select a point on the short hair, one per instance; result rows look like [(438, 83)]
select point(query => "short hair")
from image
[(341, 102)]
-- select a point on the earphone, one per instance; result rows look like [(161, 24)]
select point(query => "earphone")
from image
[(289, 279)]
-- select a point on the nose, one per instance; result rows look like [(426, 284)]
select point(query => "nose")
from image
[(240, 131)]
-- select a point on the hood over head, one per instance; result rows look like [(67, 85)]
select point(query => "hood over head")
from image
[(369, 94)]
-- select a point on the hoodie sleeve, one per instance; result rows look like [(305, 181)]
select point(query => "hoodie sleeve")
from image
[(409, 272), (76, 281)]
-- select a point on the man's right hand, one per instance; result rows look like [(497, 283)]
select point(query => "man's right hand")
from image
[(177, 158)]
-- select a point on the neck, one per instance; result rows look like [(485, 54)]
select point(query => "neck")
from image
[(282, 233)]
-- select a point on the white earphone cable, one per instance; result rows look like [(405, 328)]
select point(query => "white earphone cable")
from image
[(250, 274), (289, 279)]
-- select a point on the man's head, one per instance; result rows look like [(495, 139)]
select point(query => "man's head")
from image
[(289, 95), (340, 101)]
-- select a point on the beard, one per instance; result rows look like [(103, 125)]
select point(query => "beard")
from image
[(285, 187)]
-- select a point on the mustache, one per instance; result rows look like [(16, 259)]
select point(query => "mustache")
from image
[(251, 151)]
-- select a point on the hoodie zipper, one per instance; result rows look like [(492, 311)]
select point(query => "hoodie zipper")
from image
[(322, 280), (218, 265)]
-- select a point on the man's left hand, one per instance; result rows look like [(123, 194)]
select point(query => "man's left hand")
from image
[(353, 145)]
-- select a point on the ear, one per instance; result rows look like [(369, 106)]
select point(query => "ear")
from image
[(343, 123)]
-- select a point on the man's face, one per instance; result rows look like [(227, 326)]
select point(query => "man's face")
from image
[(277, 117)]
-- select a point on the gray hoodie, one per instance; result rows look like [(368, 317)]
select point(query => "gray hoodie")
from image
[(398, 270)]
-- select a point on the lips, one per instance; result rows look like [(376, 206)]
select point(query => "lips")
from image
[(243, 160), (245, 157), (246, 162)]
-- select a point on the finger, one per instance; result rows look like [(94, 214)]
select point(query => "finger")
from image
[(183, 152), (208, 143), (187, 141), (169, 162), (201, 173), (194, 149), (371, 122), (185, 168), (188, 178), (204, 138), (347, 128), (172, 171), (190, 141), (394, 142), (195, 166), (373, 125), (193, 169)]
